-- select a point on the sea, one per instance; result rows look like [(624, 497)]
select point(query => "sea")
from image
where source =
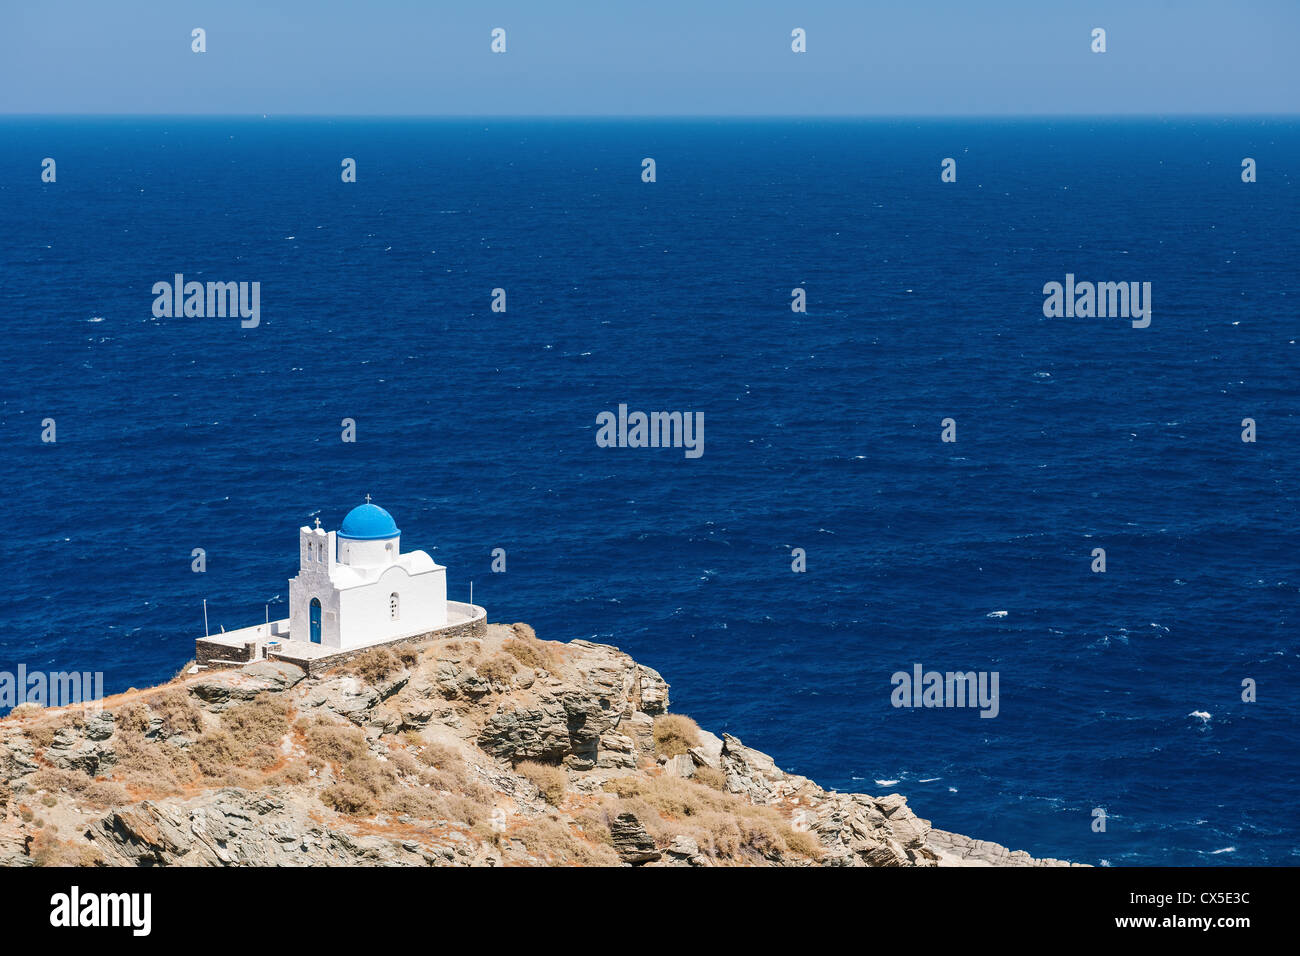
[(826, 539)]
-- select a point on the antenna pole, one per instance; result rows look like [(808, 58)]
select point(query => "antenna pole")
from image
[(206, 633)]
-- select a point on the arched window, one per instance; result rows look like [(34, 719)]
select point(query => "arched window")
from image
[(394, 607)]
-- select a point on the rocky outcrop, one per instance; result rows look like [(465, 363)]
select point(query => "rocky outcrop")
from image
[(492, 750), (631, 841)]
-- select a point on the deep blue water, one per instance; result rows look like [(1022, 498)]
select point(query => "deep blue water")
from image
[(476, 429)]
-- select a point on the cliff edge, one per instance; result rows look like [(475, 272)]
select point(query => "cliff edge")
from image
[(504, 750)]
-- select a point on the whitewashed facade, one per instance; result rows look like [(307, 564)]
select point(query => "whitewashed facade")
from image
[(356, 587)]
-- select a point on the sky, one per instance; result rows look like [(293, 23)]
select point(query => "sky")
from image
[(650, 57)]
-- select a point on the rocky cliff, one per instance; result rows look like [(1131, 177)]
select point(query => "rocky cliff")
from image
[(505, 750)]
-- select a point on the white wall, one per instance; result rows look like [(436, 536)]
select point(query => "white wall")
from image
[(313, 581), (364, 610), (369, 554)]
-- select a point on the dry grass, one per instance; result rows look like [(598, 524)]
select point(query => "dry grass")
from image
[(147, 767), (131, 718), (263, 721), (335, 743), (675, 734), (56, 780), (711, 777), (214, 753), (97, 794), (531, 652), (291, 774), (349, 798), (551, 781), (179, 713), (375, 664), (446, 769), (404, 762), (435, 754), (362, 777), (48, 850), (555, 841), (43, 731), (499, 669), (726, 827)]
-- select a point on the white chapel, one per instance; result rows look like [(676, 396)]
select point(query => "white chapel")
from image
[(355, 586)]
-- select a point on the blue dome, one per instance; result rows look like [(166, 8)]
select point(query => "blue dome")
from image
[(368, 523)]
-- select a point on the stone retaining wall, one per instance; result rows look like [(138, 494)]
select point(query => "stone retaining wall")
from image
[(315, 666), (214, 655)]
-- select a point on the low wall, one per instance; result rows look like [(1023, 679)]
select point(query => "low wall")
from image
[(210, 653), (318, 665)]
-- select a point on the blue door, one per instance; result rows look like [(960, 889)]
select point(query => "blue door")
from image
[(315, 621)]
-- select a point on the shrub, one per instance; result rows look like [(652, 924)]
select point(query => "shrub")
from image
[(804, 843), (42, 733), (103, 794), (402, 761), (711, 777), (131, 719), (464, 810), (215, 753), (51, 778), (725, 826), (365, 771), (414, 803), (498, 669), (375, 664), (154, 769), (337, 743), (531, 653), (291, 774), (349, 799), (179, 713), (554, 841), (438, 755), (550, 780), (675, 734), (48, 850), (261, 722)]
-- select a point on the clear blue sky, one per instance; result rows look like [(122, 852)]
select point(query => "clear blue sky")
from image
[(656, 57)]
